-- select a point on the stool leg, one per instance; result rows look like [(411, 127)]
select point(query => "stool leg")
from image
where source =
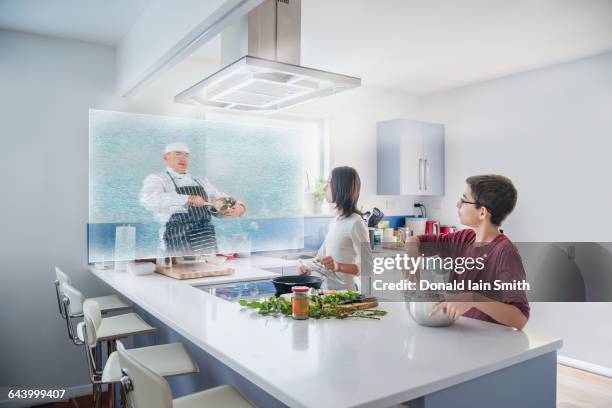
[(123, 397), (111, 387), (97, 395), (94, 388)]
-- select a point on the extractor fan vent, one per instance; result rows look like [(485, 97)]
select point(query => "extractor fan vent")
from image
[(257, 84), (266, 75)]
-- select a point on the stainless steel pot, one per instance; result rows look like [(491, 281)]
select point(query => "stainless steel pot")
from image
[(420, 306), (420, 312)]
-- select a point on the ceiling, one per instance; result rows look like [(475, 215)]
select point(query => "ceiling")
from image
[(416, 46), (422, 47), (101, 22)]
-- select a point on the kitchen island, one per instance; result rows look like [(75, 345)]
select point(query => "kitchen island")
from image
[(340, 363)]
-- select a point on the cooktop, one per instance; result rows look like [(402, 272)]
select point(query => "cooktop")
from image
[(234, 292)]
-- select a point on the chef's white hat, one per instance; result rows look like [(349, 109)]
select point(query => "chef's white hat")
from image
[(176, 147)]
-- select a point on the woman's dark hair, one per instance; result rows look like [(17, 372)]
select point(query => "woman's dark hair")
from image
[(496, 193), (345, 185)]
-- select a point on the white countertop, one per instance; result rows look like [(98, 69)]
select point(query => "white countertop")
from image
[(340, 363)]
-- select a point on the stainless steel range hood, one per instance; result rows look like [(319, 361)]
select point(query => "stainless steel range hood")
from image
[(262, 71)]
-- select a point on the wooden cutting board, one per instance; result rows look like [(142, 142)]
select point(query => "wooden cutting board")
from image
[(192, 271)]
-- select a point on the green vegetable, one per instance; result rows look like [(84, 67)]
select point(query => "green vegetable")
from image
[(320, 306), (318, 191), (273, 306)]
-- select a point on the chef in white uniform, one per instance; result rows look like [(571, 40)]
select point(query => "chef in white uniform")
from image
[(177, 200)]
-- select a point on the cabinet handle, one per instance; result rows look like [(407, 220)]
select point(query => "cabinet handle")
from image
[(425, 170), (420, 174)]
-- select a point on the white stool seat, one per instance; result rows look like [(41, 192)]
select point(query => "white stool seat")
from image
[(219, 397), (124, 325), (145, 388), (165, 359), (115, 327), (111, 303)]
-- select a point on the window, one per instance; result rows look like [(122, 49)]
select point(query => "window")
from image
[(262, 161), (316, 149)]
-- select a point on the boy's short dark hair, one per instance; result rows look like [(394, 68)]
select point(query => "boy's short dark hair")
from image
[(496, 193)]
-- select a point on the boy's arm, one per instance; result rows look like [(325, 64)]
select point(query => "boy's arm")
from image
[(504, 313), (432, 244), (514, 308), (426, 244)]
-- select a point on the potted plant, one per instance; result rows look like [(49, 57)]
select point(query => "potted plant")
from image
[(319, 195)]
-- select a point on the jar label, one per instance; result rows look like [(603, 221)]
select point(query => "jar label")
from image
[(299, 307)]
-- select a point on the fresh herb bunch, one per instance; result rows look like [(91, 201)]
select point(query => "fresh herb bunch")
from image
[(320, 306), (334, 297), (272, 306)]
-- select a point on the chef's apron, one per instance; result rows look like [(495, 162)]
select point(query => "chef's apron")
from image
[(190, 233)]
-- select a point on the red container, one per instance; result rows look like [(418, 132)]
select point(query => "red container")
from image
[(432, 227), (447, 229)]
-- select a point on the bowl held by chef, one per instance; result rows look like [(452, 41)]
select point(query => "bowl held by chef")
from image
[(180, 202), (344, 244)]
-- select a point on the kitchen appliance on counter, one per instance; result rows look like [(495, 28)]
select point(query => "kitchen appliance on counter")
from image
[(447, 229), (234, 292), (257, 289), (375, 217), (432, 227), (416, 224), (405, 233)]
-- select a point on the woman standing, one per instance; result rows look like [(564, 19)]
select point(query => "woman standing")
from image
[(347, 241)]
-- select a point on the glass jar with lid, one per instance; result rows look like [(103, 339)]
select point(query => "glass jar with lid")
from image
[(299, 302)]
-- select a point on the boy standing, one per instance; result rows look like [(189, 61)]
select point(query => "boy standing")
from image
[(486, 202)]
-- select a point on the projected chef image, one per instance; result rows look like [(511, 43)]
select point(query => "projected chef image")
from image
[(184, 205), (170, 187)]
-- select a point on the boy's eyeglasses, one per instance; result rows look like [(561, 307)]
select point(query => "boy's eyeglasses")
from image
[(476, 203), (462, 201)]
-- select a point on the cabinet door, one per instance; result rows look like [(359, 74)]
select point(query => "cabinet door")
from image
[(433, 154), (388, 158), (412, 160)]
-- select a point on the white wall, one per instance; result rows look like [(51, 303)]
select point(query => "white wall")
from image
[(47, 86), (168, 31), (550, 131), (352, 117)]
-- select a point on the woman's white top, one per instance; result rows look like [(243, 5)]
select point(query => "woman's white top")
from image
[(347, 241)]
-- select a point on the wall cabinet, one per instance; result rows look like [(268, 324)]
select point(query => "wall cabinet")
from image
[(410, 158)]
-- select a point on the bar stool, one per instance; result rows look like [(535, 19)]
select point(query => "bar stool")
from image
[(145, 388), (165, 359), (110, 329), (63, 287)]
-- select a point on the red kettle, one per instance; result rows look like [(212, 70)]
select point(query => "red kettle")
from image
[(432, 227)]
